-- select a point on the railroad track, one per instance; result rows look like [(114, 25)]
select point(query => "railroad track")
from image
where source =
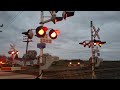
[(78, 69), (78, 73)]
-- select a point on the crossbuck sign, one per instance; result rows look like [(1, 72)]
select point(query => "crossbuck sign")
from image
[(96, 32)]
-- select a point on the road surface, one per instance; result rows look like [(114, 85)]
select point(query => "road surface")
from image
[(11, 75)]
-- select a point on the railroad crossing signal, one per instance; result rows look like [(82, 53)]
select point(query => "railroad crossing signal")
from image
[(57, 19), (83, 43), (13, 52), (29, 34), (66, 14), (96, 32), (98, 42), (41, 31), (101, 43), (94, 42), (53, 34)]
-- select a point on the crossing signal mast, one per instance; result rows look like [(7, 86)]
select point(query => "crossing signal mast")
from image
[(41, 31), (14, 53), (93, 43)]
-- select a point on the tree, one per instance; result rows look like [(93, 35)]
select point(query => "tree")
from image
[(31, 55), (3, 58)]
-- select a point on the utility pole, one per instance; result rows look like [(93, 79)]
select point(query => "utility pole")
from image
[(29, 35), (28, 40), (92, 51), (26, 52)]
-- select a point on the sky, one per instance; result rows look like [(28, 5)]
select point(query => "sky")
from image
[(73, 30)]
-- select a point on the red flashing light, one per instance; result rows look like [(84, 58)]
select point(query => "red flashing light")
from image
[(52, 34), (41, 31)]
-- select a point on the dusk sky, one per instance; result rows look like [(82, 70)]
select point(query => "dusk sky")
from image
[(72, 31)]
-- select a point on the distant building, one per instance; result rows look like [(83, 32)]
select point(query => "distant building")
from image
[(46, 61)]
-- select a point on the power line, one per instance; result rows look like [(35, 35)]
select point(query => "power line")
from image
[(11, 14), (3, 12), (13, 19)]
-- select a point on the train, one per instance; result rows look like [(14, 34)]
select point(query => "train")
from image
[(86, 63)]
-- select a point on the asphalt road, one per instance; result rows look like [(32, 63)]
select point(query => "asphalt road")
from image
[(11, 75)]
